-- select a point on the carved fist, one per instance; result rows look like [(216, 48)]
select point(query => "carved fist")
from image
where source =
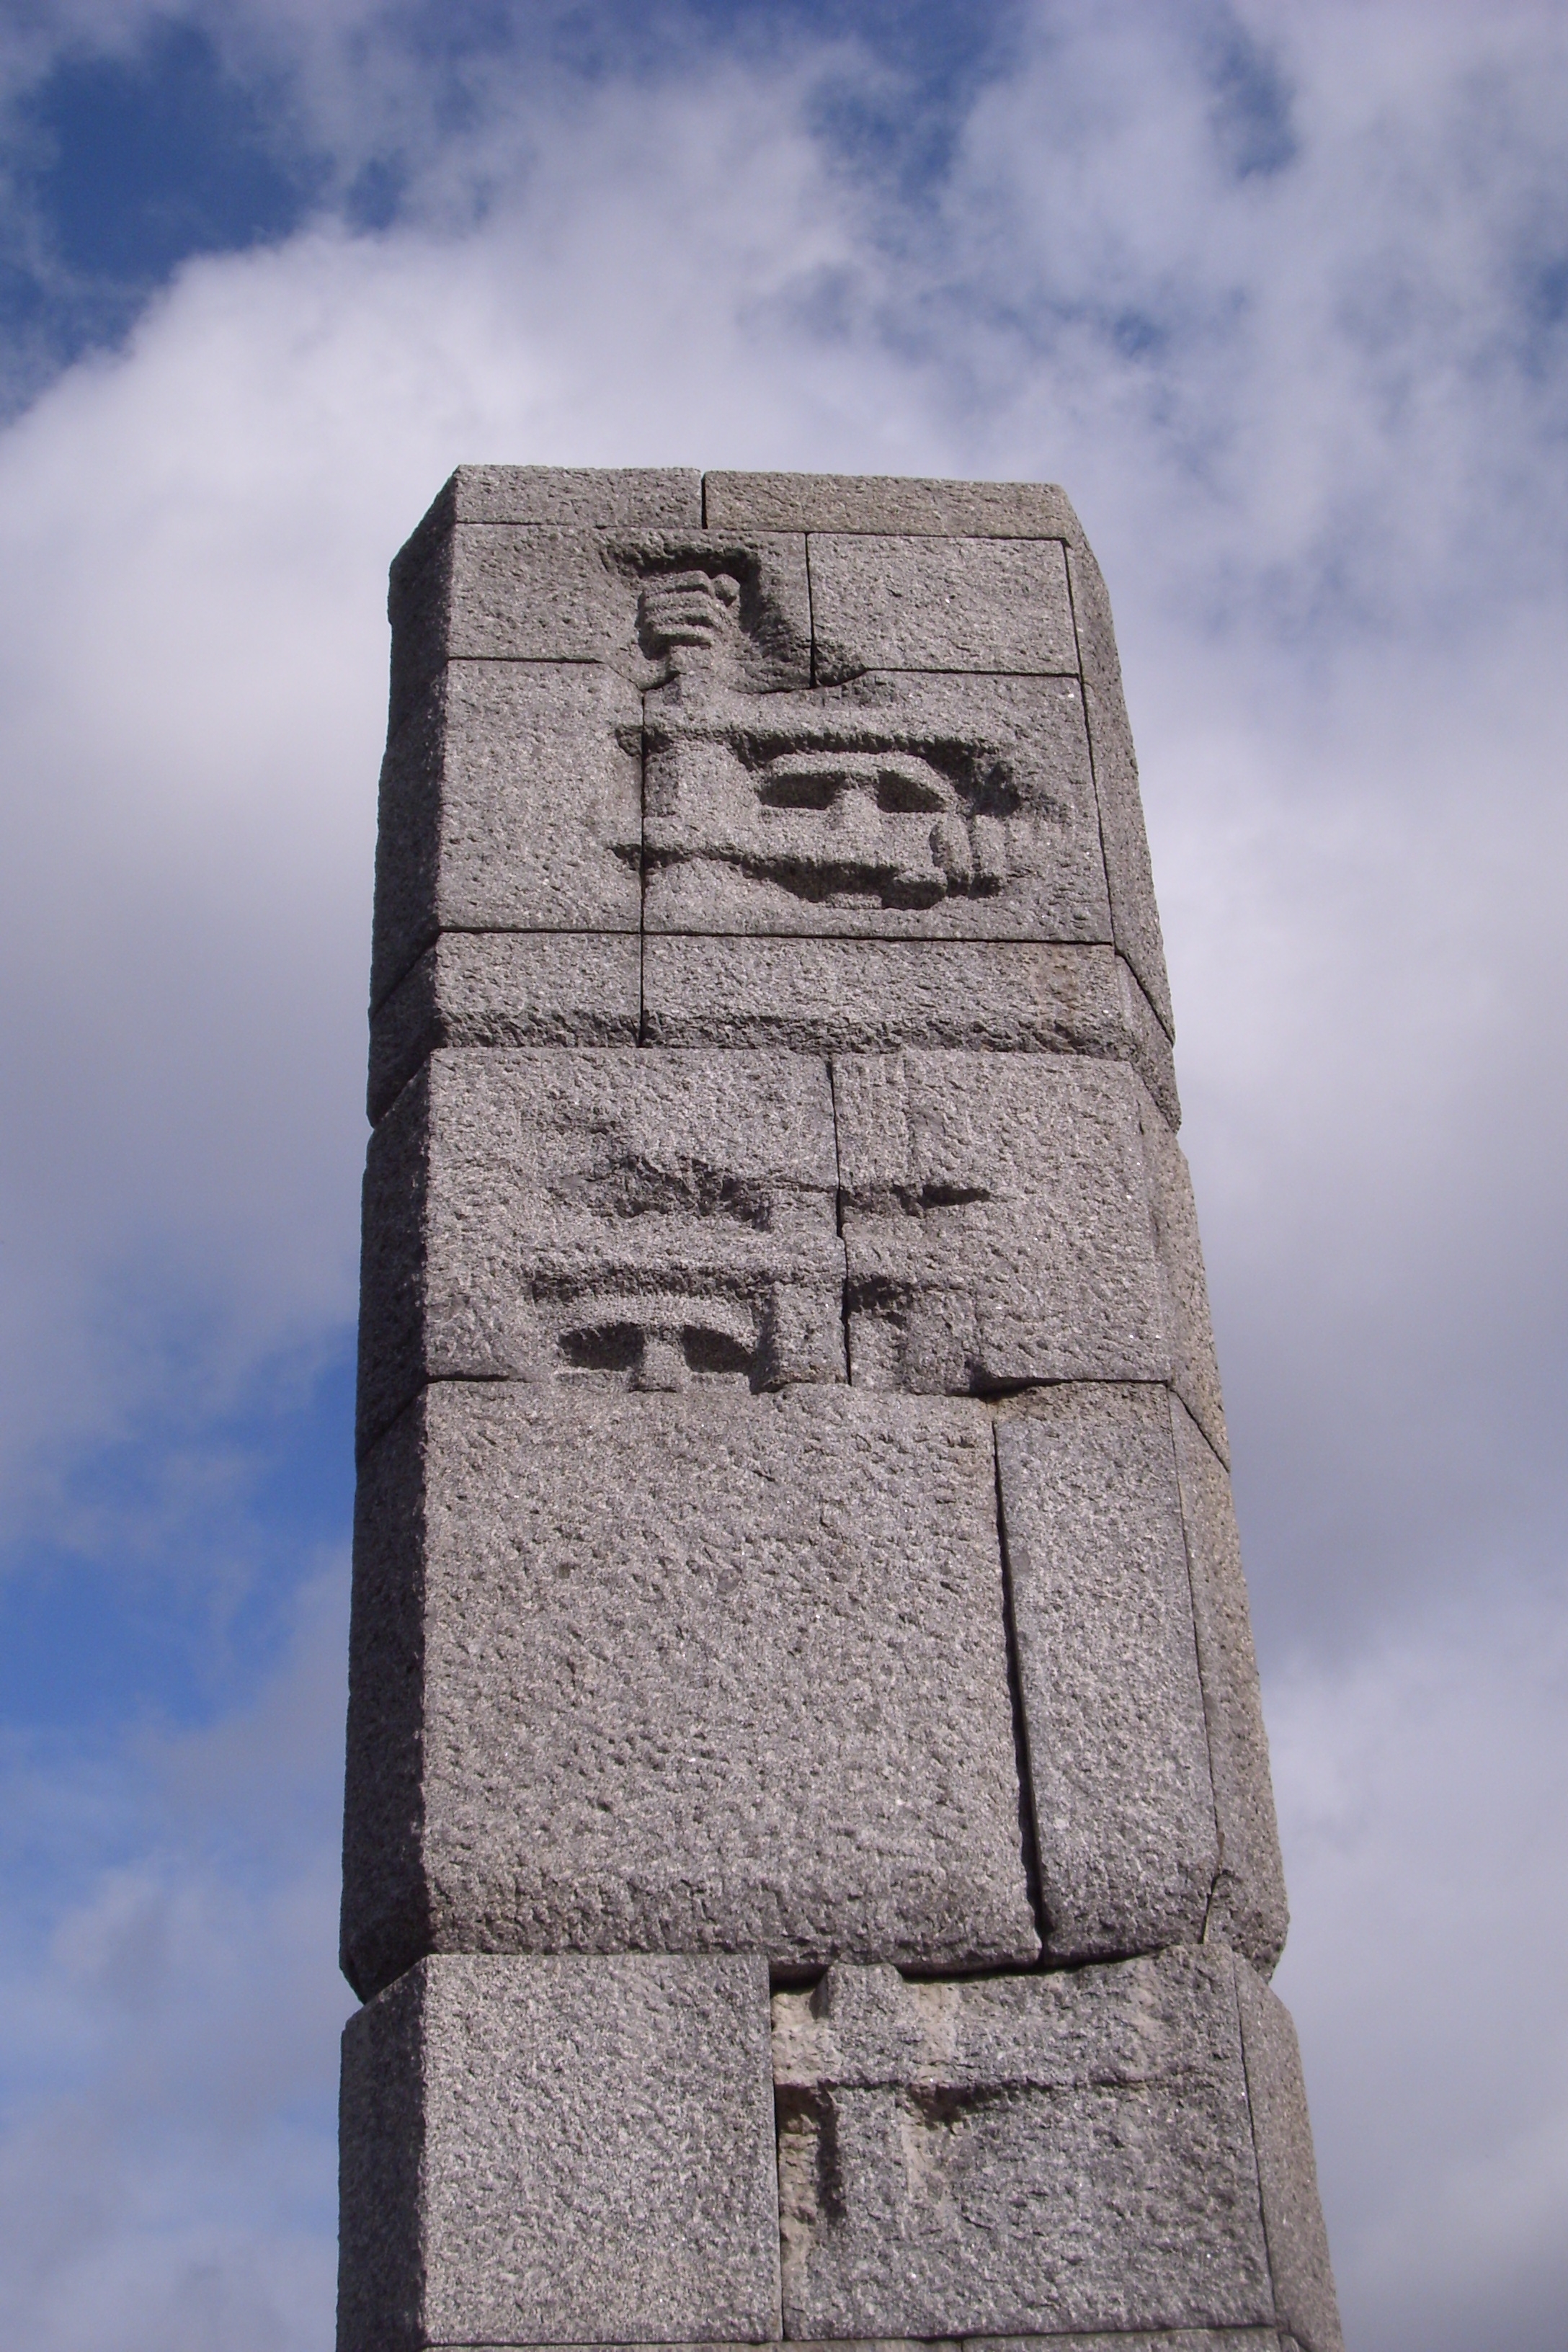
[(695, 609)]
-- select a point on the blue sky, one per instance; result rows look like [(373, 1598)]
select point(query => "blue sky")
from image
[(1280, 292)]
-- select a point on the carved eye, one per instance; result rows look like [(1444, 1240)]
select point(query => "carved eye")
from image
[(909, 792), (802, 787), (901, 786), (603, 1347), (714, 1351)]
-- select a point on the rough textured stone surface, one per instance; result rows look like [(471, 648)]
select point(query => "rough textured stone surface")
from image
[(1107, 1670), (678, 1673), (1250, 1908), (648, 604), (627, 497), (887, 503), (1195, 1366), (878, 995), (620, 499), (381, 2147), (589, 2155), (874, 996), (996, 1221), (1307, 2307), (1137, 918), (1151, 1056), (602, 1217), (1018, 2155), (979, 604), (511, 800), (770, 1016), (1138, 2339), (894, 807), (505, 988)]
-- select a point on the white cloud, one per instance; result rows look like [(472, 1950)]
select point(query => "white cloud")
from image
[(1423, 1792), (192, 680), (1327, 386), (196, 532), (1368, 957)]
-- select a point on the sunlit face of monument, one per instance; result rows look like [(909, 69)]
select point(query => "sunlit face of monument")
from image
[(795, 1561)]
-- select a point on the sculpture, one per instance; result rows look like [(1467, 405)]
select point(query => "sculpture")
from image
[(810, 1864)]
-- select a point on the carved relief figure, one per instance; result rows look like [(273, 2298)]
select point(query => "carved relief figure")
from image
[(810, 1865), (895, 807)]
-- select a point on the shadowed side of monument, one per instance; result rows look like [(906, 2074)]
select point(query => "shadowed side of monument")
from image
[(809, 1858)]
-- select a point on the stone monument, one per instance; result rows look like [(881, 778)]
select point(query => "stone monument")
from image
[(810, 1865)]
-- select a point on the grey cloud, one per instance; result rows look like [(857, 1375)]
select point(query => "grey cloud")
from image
[(1423, 1795), (1373, 1119), (1252, 109)]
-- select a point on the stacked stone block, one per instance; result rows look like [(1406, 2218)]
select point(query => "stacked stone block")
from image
[(810, 1865)]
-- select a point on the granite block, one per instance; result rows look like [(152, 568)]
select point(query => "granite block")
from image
[(1107, 1670), (1138, 2339), (624, 498), (902, 504), (1018, 2155), (578, 2147), (1249, 1909), (650, 605), (1151, 1056), (894, 807), (607, 497), (604, 1218), (505, 988), (996, 1221), (381, 2150), (511, 800), (1195, 1368), (822, 996), (1133, 906), (1304, 2295), (681, 1673), (929, 603), (827, 996)]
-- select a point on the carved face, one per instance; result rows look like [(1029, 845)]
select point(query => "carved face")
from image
[(755, 1334), (843, 824), (881, 828), (667, 1272), (632, 1220), (659, 1342), (896, 807)]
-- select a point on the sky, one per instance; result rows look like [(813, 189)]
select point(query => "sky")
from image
[(1278, 289)]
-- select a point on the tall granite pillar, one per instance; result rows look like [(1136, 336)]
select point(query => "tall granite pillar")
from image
[(810, 1865)]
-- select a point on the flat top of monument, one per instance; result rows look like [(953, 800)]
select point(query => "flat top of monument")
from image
[(679, 498)]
